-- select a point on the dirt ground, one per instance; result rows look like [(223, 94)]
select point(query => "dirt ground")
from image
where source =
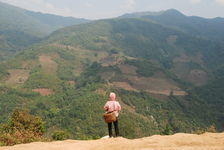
[(124, 85), (48, 64), (168, 92), (127, 69), (198, 77), (17, 76), (152, 85), (180, 141)]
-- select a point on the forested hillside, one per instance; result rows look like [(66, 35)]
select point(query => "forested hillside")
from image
[(167, 79), (20, 28), (197, 26)]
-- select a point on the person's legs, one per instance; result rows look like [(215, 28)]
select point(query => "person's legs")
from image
[(116, 128), (110, 129)]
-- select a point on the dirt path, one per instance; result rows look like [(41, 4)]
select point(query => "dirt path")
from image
[(180, 141)]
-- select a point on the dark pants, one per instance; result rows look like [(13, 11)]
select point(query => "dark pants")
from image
[(116, 128)]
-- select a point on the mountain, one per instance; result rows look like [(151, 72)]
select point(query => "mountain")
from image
[(20, 28), (141, 14), (205, 28), (165, 78)]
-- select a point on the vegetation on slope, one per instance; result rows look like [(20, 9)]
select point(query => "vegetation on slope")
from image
[(20, 28), (86, 61)]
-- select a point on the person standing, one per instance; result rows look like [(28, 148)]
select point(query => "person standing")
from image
[(113, 106)]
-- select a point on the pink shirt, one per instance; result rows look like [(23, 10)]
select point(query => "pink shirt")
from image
[(111, 106)]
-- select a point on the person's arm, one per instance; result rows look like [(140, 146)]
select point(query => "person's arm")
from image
[(118, 106), (106, 107)]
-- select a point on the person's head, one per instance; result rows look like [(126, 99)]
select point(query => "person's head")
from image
[(112, 96)]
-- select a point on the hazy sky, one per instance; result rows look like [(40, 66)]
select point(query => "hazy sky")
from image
[(96, 9)]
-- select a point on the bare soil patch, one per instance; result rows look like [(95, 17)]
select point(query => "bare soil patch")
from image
[(127, 69), (158, 85), (159, 96), (57, 45), (198, 77), (168, 92), (28, 64), (184, 70), (109, 61), (124, 85), (17, 76), (101, 91), (183, 58), (71, 82), (43, 91), (47, 63), (152, 83)]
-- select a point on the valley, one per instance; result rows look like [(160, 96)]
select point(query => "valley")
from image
[(163, 73)]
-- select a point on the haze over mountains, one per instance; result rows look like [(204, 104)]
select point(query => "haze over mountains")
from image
[(20, 28), (201, 27), (166, 68)]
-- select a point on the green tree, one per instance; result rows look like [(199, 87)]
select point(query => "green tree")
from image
[(60, 135), (167, 130)]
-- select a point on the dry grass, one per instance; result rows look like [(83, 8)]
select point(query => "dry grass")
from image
[(158, 84), (127, 69), (198, 77), (101, 91), (43, 91), (183, 58), (168, 92), (111, 61), (48, 64), (124, 85), (71, 82), (17, 76), (157, 90), (182, 69), (152, 83)]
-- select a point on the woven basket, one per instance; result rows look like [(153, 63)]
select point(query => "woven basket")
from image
[(109, 117)]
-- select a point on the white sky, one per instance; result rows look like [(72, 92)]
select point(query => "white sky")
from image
[(97, 9)]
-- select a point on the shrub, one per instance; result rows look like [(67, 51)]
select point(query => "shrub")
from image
[(21, 128), (212, 129), (60, 135), (167, 130)]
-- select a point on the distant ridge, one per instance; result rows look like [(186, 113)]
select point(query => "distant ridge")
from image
[(197, 26), (151, 13), (141, 14), (55, 20), (34, 21), (20, 28)]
